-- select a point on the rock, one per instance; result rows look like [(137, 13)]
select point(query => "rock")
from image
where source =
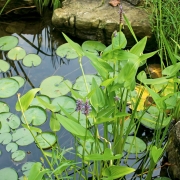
[(134, 2), (173, 151), (89, 20)]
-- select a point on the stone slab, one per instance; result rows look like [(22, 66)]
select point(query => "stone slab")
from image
[(89, 20)]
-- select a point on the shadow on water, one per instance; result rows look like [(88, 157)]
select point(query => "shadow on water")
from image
[(39, 36)]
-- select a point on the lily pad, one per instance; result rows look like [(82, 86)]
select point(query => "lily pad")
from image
[(5, 138), (8, 42), (3, 107), (54, 86), (16, 54), (11, 147), (31, 60), (66, 51), (35, 102), (8, 174), (4, 66), (134, 145), (8, 87), (93, 47), (46, 139), (26, 168), (18, 155), (36, 115), (66, 102), (23, 137), (20, 80)]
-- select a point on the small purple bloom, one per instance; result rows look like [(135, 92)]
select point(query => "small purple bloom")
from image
[(79, 105), (116, 98), (86, 108)]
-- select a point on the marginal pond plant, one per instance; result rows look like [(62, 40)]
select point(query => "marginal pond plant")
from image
[(103, 112)]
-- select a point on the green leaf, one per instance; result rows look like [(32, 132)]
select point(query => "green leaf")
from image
[(114, 172), (108, 155), (37, 172), (18, 155), (35, 115), (35, 129), (46, 139), (134, 145), (4, 66), (16, 54), (8, 87), (3, 107), (8, 42), (26, 168), (23, 137), (66, 51), (26, 99), (172, 70), (31, 60), (66, 102), (74, 127), (8, 174), (5, 138), (54, 86), (74, 45), (162, 178), (11, 147), (93, 47), (54, 123), (156, 153), (19, 79)]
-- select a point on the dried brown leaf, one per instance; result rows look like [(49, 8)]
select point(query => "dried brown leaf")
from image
[(114, 3)]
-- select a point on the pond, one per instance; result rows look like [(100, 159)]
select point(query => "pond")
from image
[(39, 37)]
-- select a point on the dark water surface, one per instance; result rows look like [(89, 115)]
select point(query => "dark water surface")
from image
[(39, 36)]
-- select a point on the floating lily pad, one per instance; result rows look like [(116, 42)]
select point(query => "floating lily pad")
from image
[(54, 86), (8, 174), (20, 80), (35, 115), (4, 66), (66, 102), (31, 60), (93, 47), (35, 102), (46, 139), (23, 137), (12, 147), (5, 138), (18, 155), (26, 168), (8, 42), (66, 51), (8, 87), (3, 107), (134, 145), (10, 119), (16, 54)]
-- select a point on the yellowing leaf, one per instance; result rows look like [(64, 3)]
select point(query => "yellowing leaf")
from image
[(154, 70)]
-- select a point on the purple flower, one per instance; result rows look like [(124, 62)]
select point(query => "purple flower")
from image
[(116, 98), (86, 108), (79, 105)]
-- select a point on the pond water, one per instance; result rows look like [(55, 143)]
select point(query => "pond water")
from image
[(40, 37)]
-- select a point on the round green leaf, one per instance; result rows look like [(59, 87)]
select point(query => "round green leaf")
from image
[(8, 87), (16, 54), (5, 138), (3, 107), (66, 102), (11, 147), (35, 102), (66, 51), (36, 115), (18, 155), (26, 168), (4, 66), (134, 145), (93, 47), (8, 174), (31, 60), (23, 137), (54, 86), (19, 79), (46, 139), (8, 42), (10, 119)]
